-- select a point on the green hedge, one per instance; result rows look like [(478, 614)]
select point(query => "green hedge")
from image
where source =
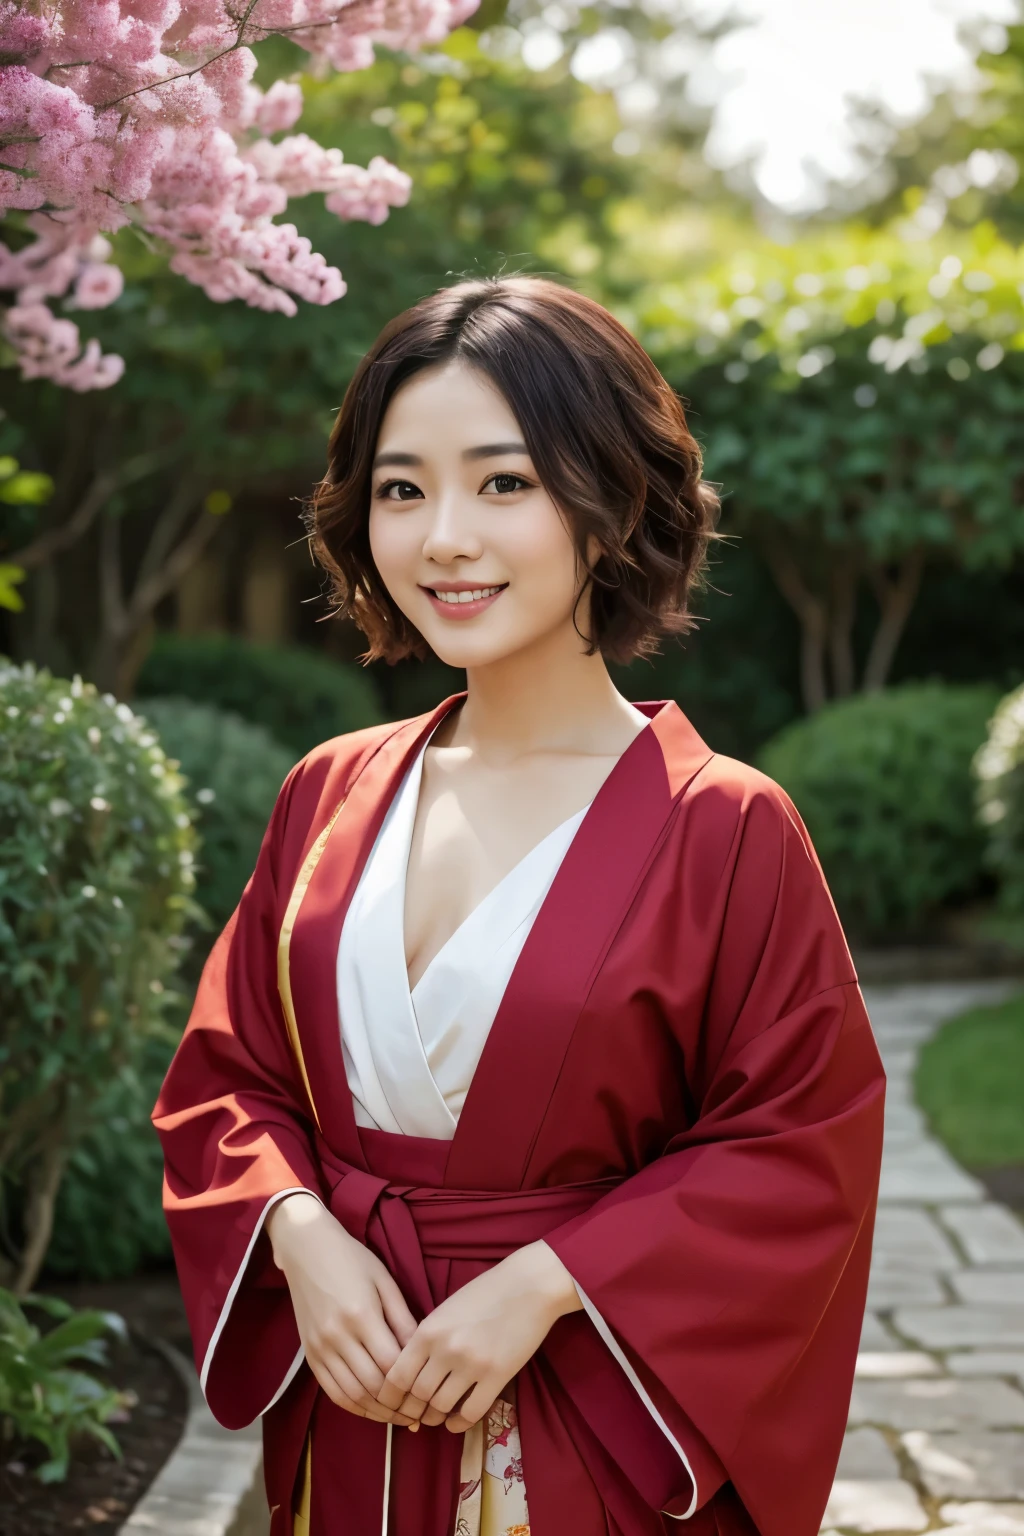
[(999, 769), (96, 890), (233, 771), (110, 1221), (300, 697), (883, 782)]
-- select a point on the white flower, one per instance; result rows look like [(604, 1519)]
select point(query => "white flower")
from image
[(88, 891), (115, 901), (13, 712), (95, 735), (206, 796), (147, 739), (59, 717), (60, 807), (157, 770), (67, 703), (183, 821), (156, 986), (99, 804), (124, 714), (185, 859)]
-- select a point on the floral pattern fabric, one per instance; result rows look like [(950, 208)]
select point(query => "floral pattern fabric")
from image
[(492, 1493)]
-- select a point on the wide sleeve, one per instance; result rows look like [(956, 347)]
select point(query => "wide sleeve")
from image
[(234, 1122), (729, 1276)]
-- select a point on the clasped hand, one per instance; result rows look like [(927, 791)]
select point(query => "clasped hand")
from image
[(364, 1346)]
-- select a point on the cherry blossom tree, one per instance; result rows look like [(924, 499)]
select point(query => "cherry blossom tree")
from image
[(145, 112)]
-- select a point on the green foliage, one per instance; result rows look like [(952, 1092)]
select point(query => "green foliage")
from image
[(970, 1084), (883, 782), (95, 1237), (234, 772), (18, 488), (43, 1397), (999, 768), (301, 698), (95, 891)]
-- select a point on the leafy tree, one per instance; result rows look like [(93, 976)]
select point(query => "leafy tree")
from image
[(861, 397)]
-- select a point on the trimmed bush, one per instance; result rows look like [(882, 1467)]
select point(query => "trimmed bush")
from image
[(300, 697), (96, 1237), (999, 770), (234, 771), (95, 892), (883, 782)]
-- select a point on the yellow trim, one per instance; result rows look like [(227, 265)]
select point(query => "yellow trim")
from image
[(300, 1518), (284, 944)]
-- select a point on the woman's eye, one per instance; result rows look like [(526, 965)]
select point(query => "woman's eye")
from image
[(398, 490), (506, 484)]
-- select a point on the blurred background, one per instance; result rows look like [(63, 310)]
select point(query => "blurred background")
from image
[(812, 217)]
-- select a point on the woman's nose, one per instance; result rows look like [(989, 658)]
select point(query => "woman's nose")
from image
[(453, 532)]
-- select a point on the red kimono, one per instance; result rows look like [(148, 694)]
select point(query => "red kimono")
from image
[(680, 1093)]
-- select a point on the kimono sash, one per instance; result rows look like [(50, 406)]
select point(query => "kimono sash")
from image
[(433, 1240)]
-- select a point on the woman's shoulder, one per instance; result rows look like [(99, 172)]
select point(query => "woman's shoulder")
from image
[(740, 790)]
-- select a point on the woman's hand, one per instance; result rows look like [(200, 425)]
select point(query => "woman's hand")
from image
[(470, 1347), (352, 1318)]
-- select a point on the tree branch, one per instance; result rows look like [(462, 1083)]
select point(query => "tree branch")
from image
[(810, 610), (896, 597), (843, 610), (55, 540)]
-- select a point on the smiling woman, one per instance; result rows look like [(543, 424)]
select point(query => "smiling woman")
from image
[(529, 1107)]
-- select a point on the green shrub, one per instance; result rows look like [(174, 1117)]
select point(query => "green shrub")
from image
[(95, 891), (300, 697), (96, 1237), (999, 769), (42, 1396), (234, 772), (883, 782)]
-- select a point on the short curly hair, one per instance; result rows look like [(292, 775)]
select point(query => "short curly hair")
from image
[(606, 433)]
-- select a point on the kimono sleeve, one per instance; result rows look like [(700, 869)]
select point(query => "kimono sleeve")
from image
[(233, 1119), (731, 1272)]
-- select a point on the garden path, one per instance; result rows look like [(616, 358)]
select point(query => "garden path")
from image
[(936, 1433)]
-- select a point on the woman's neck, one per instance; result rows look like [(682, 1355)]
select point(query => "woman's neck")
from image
[(550, 698)]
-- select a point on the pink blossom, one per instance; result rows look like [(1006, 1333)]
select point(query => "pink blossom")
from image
[(98, 284), (144, 111)]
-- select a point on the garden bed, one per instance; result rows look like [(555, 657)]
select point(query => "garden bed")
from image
[(100, 1492)]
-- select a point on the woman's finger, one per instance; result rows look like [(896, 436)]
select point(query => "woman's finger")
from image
[(399, 1379), (432, 1417), (472, 1410), (357, 1400), (396, 1311), (363, 1367), (451, 1392)]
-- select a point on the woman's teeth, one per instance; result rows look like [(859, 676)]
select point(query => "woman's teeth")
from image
[(466, 597)]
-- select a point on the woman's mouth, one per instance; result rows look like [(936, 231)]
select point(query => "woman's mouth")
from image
[(463, 602)]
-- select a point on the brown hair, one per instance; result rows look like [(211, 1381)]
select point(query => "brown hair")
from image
[(606, 433)]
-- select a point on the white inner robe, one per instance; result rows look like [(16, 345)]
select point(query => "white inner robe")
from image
[(410, 1056)]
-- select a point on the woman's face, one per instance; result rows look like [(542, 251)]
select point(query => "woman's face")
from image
[(466, 540)]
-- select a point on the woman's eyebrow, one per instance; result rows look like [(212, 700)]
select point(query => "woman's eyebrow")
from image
[(407, 459), (485, 451), (494, 450)]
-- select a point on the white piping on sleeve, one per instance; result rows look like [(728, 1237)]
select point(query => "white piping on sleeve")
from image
[(641, 1391), (236, 1283)]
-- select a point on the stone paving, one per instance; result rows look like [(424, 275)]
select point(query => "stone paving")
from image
[(936, 1433)]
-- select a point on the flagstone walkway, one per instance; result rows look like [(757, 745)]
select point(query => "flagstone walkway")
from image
[(936, 1436)]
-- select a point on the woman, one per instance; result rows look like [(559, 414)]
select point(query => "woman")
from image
[(523, 1145)]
